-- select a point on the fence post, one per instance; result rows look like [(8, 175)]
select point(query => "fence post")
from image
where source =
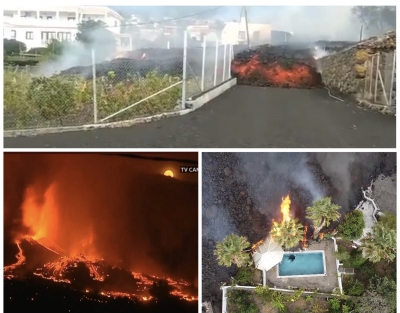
[(216, 63), (168, 45), (376, 77), (203, 63), (183, 105), (94, 87), (392, 80), (230, 61), (224, 68)]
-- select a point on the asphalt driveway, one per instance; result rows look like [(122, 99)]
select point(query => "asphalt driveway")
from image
[(243, 117)]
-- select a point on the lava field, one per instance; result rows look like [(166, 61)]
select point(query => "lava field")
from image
[(238, 199), (276, 66)]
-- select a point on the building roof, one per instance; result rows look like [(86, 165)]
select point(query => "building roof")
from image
[(267, 253)]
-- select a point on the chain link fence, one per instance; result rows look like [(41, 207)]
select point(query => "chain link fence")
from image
[(144, 82)]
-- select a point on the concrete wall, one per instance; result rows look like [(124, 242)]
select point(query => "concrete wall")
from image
[(353, 71)]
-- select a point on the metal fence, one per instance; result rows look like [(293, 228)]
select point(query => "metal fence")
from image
[(145, 82), (380, 79)]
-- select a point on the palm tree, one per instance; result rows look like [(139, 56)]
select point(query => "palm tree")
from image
[(381, 245), (231, 250), (288, 233), (322, 213)]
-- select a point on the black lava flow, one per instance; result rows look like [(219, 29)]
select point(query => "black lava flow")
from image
[(228, 206)]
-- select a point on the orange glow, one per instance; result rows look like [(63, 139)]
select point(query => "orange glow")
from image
[(41, 218), (285, 208), (169, 173), (20, 260), (298, 75)]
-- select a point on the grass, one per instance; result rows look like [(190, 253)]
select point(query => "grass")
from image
[(34, 102)]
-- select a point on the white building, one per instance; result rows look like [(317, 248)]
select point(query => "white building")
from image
[(235, 33), (36, 25)]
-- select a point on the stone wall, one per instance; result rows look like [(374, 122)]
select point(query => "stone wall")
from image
[(352, 69)]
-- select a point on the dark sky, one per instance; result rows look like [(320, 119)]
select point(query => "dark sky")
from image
[(125, 207)]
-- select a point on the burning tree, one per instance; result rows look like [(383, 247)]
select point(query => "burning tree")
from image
[(232, 251), (380, 245), (288, 233), (322, 213)]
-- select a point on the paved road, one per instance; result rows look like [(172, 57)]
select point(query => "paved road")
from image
[(243, 117)]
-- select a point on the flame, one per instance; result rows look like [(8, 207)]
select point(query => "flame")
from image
[(41, 218), (304, 240), (275, 74), (285, 208)]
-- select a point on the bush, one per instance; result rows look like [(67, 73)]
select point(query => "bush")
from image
[(38, 50), (67, 100), (342, 255), (12, 46), (241, 301), (264, 293), (352, 226), (245, 276), (356, 259), (368, 269), (334, 305), (21, 61), (356, 289), (388, 220)]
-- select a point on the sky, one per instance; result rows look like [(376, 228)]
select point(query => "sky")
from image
[(328, 22), (121, 207)]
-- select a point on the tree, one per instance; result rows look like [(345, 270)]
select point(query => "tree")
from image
[(56, 47), (95, 35), (287, 233), (322, 213), (231, 251), (388, 220), (12, 46), (352, 226), (380, 245), (387, 288), (376, 18)]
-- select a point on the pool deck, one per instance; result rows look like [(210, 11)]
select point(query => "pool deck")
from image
[(324, 283)]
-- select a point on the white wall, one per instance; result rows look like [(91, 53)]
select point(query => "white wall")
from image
[(37, 41)]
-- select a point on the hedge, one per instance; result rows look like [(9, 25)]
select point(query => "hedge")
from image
[(68, 100)]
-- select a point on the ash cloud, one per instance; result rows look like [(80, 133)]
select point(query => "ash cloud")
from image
[(140, 219), (270, 176)]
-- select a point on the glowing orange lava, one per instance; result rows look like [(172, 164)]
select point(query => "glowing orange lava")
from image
[(20, 260), (255, 72), (304, 240)]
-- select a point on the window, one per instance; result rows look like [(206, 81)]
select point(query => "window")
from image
[(242, 35), (29, 35), (48, 35), (62, 36), (71, 18), (49, 17), (13, 34)]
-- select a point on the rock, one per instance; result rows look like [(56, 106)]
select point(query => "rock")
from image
[(227, 171)]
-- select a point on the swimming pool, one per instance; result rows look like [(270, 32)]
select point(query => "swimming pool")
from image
[(304, 264)]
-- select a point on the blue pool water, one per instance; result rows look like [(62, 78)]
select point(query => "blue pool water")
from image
[(303, 264)]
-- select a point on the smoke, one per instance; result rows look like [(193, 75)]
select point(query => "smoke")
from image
[(270, 176), (116, 208)]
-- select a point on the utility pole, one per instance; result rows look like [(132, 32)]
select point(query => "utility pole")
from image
[(247, 27)]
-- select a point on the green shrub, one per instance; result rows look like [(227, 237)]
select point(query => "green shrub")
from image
[(356, 259), (245, 276), (353, 287), (388, 220), (308, 298), (368, 269), (38, 50), (241, 301), (12, 46), (65, 100), (264, 293), (21, 61), (342, 255), (352, 226), (334, 305)]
